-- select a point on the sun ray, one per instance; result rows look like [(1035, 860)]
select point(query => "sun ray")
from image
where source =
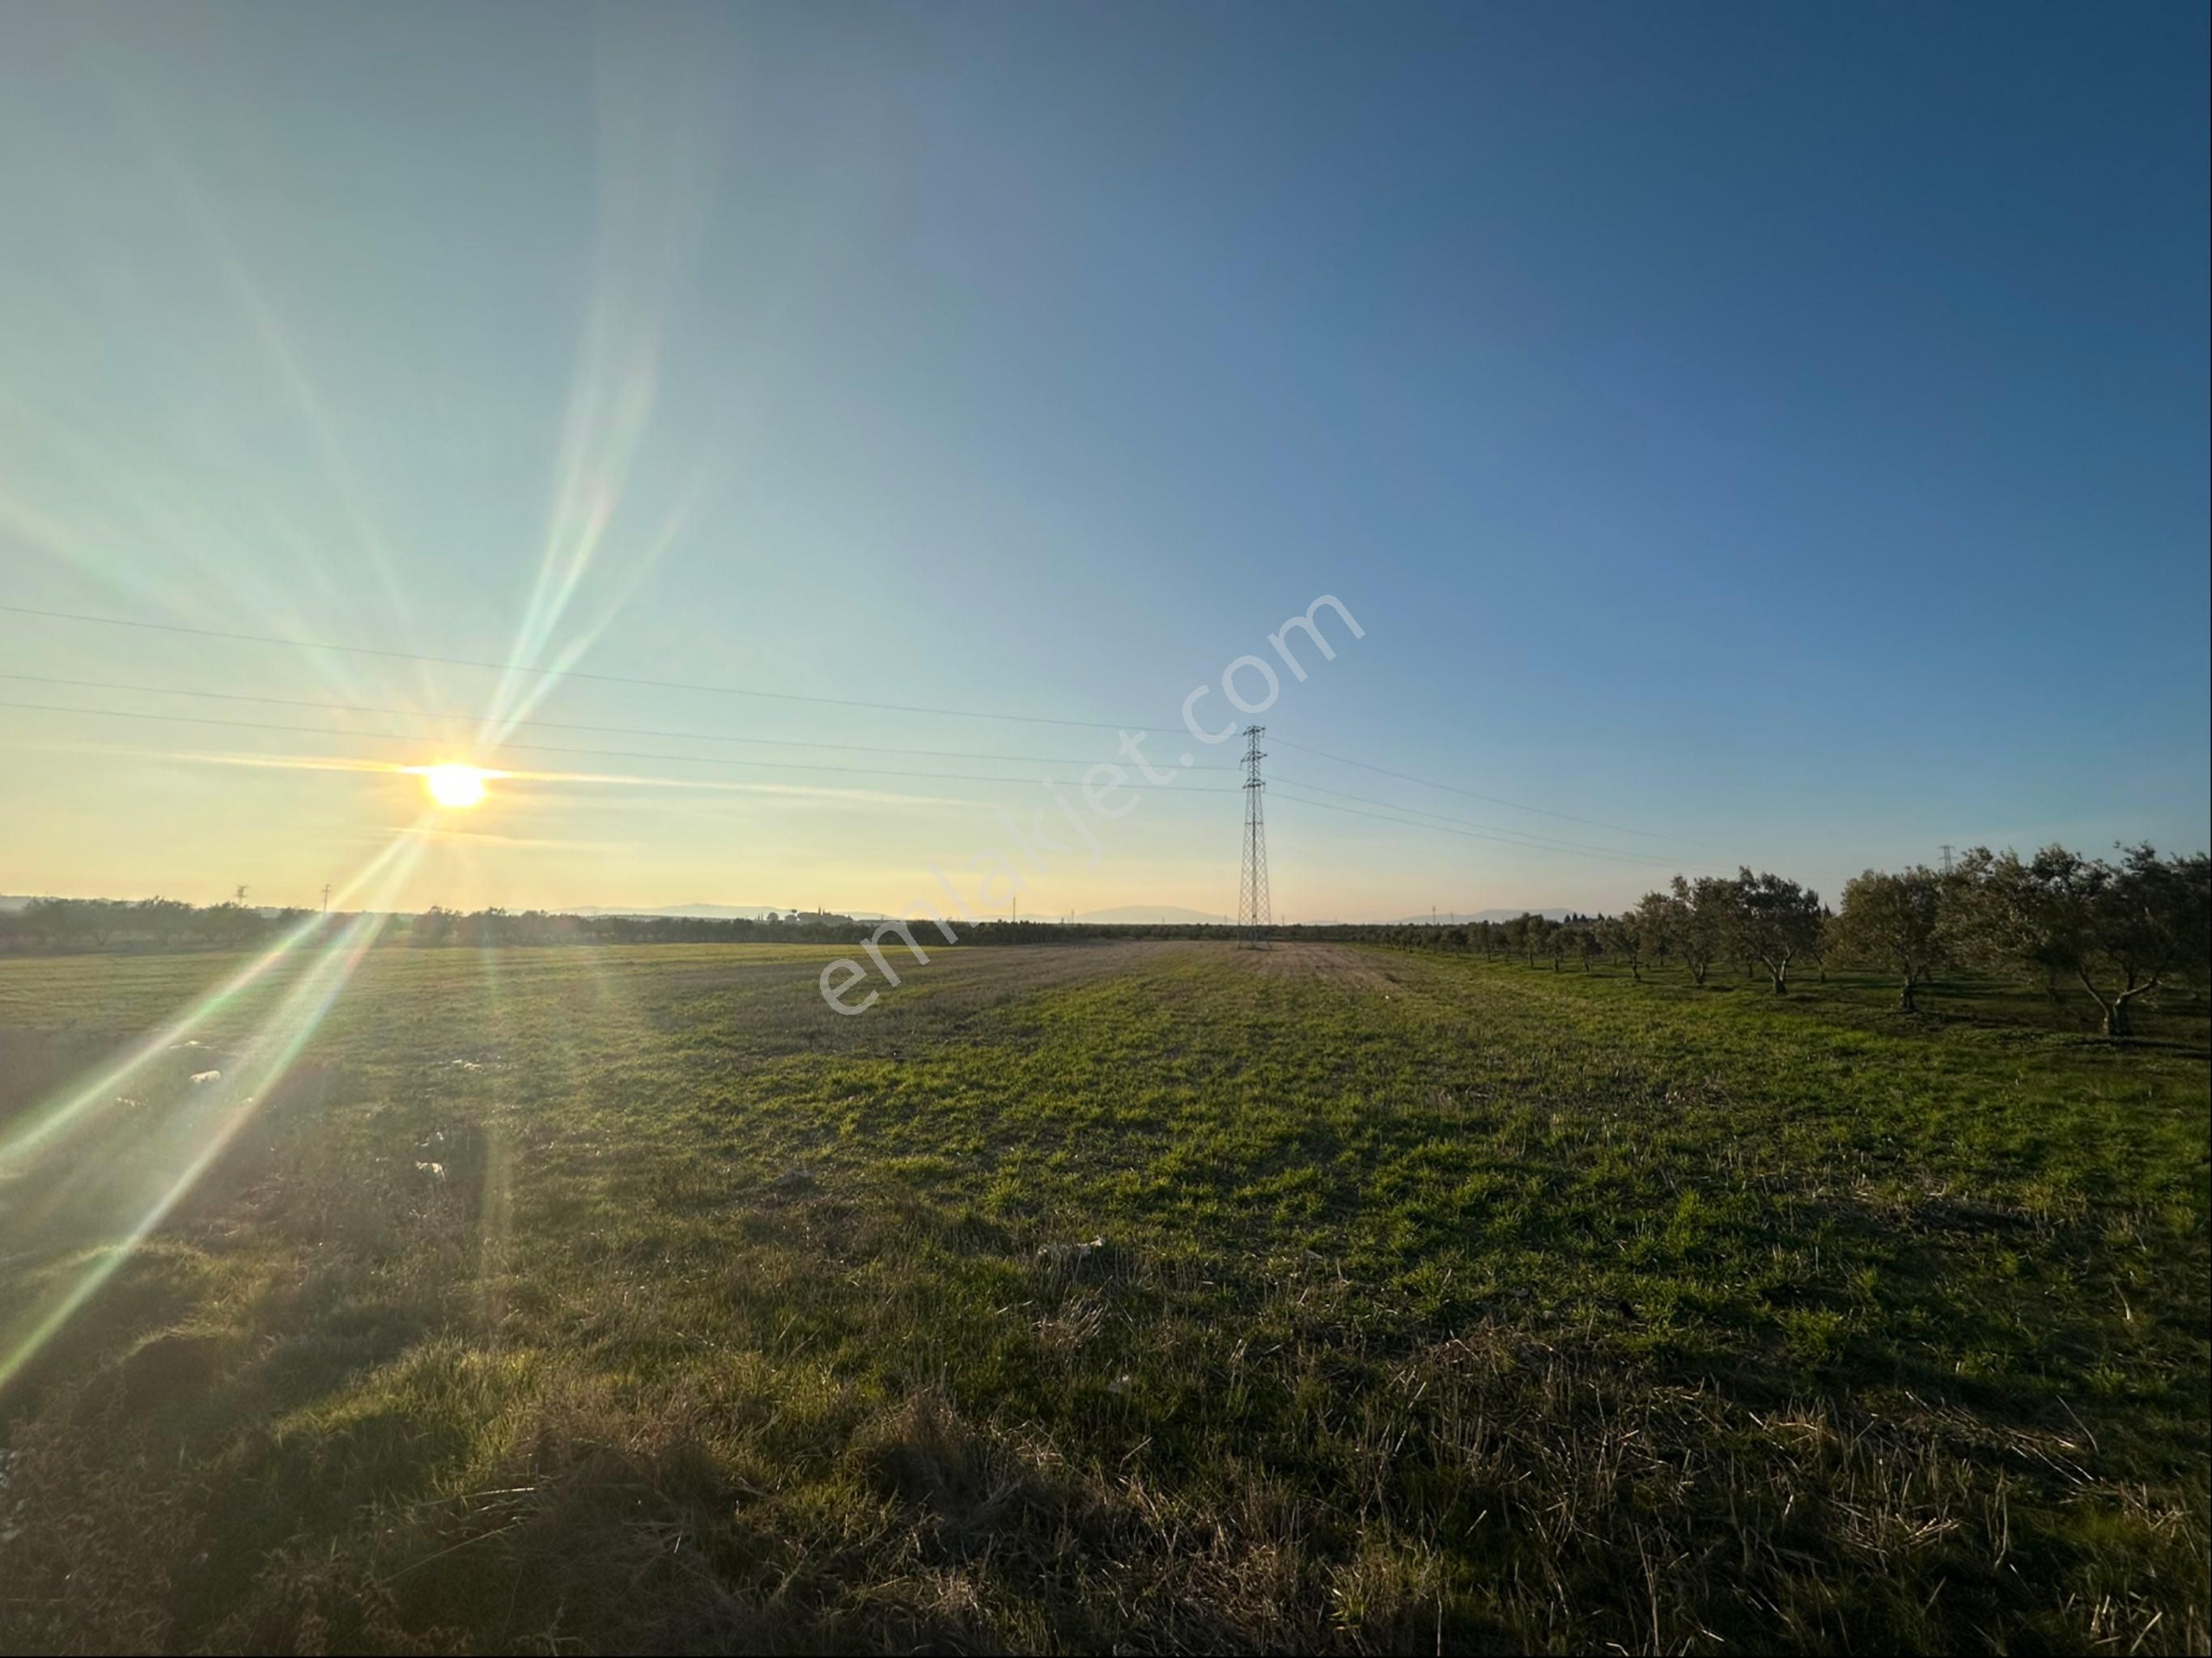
[(655, 197), (273, 336), (40, 1128), (264, 1059)]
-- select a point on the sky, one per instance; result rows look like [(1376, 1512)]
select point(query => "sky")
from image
[(1741, 435)]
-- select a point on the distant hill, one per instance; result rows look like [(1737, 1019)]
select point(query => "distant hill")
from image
[(1447, 917), (706, 912), (711, 911), (1138, 915)]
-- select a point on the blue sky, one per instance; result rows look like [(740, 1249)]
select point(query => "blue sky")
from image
[(1784, 429)]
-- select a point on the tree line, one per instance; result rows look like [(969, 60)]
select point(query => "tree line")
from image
[(2118, 929), (56, 925), (63, 926), (60, 926)]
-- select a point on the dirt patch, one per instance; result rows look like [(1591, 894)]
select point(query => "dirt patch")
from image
[(1337, 962)]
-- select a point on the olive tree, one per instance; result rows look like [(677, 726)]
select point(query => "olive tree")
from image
[(1589, 941), (2121, 930), (1772, 921), (1626, 935), (1530, 936), (1702, 911), (1662, 916), (1513, 934), (1897, 920)]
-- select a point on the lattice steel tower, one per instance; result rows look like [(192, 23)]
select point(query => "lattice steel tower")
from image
[(1253, 918)]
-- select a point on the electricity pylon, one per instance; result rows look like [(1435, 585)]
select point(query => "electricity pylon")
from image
[(1253, 917)]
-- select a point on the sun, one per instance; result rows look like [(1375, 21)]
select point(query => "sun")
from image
[(455, 787)]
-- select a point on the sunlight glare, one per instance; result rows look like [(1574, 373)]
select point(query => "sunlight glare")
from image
[(456, 788)]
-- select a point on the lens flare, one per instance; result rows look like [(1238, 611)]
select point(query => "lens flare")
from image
[(325, 954)]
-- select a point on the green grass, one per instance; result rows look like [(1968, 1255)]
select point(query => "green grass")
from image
[(1430, 1300)]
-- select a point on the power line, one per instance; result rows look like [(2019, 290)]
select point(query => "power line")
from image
[(1471, 835), (579, 673), (539, 748), (564, 724), (1494, 799), (790, 696), (857, 771), (786, 696), (1498, 840), (1518, 837), (793, 765)]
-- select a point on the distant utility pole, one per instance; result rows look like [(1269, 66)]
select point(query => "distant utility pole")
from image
[(326, 897), (239, 897), (1252, 909), (1946, 850)]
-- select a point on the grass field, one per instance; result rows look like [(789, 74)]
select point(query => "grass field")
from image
[(1143, 1297)]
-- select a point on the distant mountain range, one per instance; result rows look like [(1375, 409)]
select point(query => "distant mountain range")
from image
[(1447, 917), (1141, 914), (699, 912), (1127, 914)]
